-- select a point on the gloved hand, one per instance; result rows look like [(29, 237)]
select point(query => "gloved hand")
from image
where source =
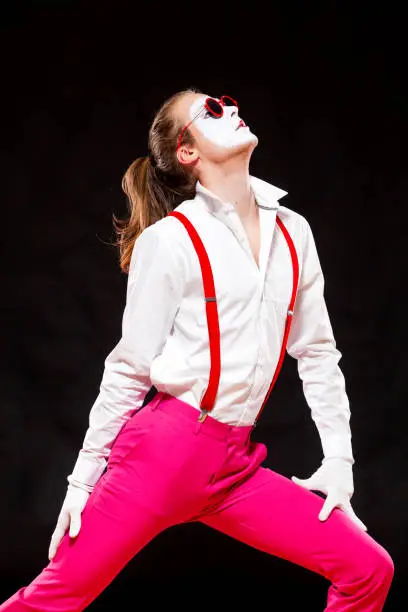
[(334, 478), (69, 516)]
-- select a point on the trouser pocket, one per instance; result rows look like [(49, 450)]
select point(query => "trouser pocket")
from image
[(130, 438)]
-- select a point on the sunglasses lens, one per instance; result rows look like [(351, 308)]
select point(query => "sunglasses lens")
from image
[(214, 107), (229, 101)]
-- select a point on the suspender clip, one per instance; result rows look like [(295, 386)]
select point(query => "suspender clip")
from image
[(203, 416)]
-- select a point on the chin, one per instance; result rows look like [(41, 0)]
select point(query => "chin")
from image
[(247, 145), (254, 140), (243, 147)]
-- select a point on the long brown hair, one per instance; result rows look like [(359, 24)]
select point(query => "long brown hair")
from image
[(155, 184)]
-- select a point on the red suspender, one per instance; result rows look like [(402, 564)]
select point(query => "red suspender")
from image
[(208, 398), (289, 316)]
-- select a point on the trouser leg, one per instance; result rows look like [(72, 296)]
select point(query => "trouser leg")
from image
[(273, 514), (114, 528), (156, 472)]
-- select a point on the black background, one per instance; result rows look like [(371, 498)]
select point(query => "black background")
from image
[(323, 85)]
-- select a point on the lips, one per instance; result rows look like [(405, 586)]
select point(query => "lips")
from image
[(241, 124)]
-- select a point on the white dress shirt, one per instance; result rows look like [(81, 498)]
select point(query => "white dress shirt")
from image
[(165, 340)]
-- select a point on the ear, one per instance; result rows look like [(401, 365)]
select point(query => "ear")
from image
[(187, 155)]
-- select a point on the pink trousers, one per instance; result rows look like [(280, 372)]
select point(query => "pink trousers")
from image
[(167, 468)]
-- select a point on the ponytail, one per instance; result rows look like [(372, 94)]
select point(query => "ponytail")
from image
[(154, 185)]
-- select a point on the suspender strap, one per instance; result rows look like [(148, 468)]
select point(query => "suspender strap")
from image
[(208, 398), (289, 316)]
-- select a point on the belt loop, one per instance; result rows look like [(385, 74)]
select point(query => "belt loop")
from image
[(156, 400), (197, 427)]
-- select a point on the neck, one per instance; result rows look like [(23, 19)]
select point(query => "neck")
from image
[(230, 182)]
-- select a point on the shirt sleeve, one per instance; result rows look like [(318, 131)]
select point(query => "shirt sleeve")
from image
[(154, 291), (311, 342)]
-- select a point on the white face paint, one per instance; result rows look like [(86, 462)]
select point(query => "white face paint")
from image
[(227, 131)]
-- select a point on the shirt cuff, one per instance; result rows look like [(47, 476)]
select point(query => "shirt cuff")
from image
[(87, 471), (336, 445)]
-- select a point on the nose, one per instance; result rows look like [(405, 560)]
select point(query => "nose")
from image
[(234, 117), (233, 111)]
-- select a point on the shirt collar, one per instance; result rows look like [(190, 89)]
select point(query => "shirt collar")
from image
[(266, 196)]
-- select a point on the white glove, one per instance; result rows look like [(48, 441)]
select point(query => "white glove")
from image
[(69, 516), (334, 478)]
